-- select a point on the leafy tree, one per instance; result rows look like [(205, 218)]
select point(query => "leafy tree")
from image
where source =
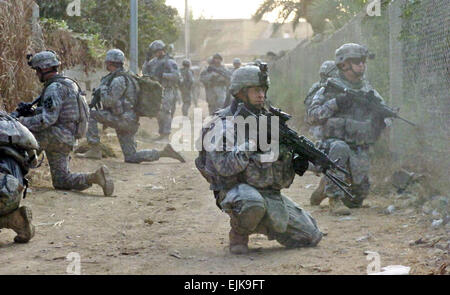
[(110, 19), (321, 14)]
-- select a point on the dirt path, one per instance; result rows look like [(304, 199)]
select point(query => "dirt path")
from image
[(164, 221)]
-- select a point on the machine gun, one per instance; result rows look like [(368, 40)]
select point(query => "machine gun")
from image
[(367, 99), (302, 146)]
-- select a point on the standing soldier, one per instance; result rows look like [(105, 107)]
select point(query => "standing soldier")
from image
[(208, 87), (236, 65), (246, 187), (17, 155), (164, 69), (347, 129), (218, 77), (118, 93), (186, 84), (56, 125)]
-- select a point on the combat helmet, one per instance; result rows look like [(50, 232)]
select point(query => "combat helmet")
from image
[(115, 55), (237, 61), (217, 56), (350, 50), (186, 62), (157, 45), (327, 69), (43, 60), (17, 142), (248, 76)]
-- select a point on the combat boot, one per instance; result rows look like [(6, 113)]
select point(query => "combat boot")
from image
[(94, 152), (238, 243), (337, 207), (102, 177), (19, 221), (319, 194), (169, 152)]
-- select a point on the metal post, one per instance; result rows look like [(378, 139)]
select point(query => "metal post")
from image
[(134, 55), (186, 29)]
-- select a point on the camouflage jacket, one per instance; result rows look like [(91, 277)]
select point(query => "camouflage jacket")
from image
[(57, 112), (187, 80), (356, 125), (211, 78), (228, 162), (118, 94), (164, 70)]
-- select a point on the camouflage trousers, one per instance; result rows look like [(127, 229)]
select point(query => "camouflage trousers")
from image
[(270, 213), (216, 98), (125, 131), (11, 185), (186, 96), (354, 159), (168, 107), (58, 156)]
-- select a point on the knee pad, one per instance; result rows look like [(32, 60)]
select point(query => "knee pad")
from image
[(246, 205)]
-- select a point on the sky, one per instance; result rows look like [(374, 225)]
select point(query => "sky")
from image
[(220, 9)]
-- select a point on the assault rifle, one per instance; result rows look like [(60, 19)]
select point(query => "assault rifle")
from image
[(303, 146), (25, 109), (367, 99), (96, 100)]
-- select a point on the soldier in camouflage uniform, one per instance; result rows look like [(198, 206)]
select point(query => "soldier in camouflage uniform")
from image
[(164, 69), (327, 70), (346, 129), (217, 77), (245, 186), (54, 125), (118, 95), (17, 155), (186, 84), (236, 65), (207, 85)]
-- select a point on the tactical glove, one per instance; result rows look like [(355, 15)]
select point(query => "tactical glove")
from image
[(300, 165)]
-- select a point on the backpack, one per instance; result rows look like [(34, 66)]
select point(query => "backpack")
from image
[(83, 107), (149, 97)]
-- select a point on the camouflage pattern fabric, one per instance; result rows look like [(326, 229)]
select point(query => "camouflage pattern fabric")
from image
[(347, 135), (249, 191), (54, 128), (186, 89), (354, 159), (118, 100), (57, 113), (11, 185), (58, 159), (165, 71), (218, 85)]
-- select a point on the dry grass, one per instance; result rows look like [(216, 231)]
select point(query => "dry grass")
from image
[(17, 80)]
